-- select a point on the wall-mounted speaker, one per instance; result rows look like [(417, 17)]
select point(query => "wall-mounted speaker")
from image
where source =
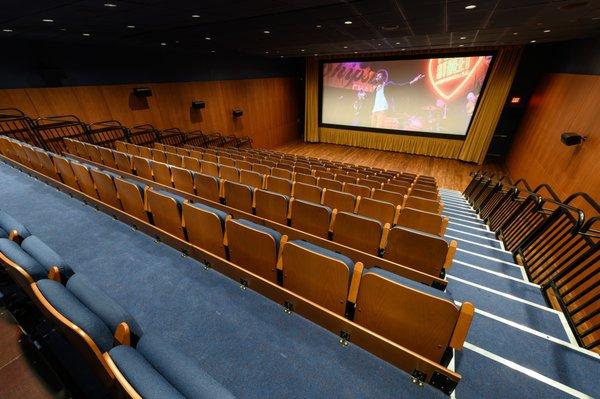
[(142, 92), (198, 104), (570, 139), (237, 113)]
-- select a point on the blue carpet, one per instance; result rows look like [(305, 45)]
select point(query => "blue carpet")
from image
[(572, 368), (453, 214), (470, 237), (522, 313), (471, 229), (242, 339), (473, 259), (484, 378), (515, 288), (495, 253)]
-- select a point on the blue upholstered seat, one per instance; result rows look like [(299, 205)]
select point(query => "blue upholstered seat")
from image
[(220, 214), (158, 370), (273, 233), (73, 309), (107, 309), (8, 224), (45, 256), (16, 254), (326, 252), (409, 283), (3, 233)]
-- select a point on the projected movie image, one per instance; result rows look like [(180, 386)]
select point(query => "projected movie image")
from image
[(435, 95)]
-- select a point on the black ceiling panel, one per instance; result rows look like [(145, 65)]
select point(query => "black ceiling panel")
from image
[(313, 26)]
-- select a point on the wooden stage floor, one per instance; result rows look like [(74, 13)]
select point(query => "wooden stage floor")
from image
[(450, 173)]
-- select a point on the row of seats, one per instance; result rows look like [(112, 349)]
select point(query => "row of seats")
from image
[(313, 163), (331, 177), (387, 304), (108, 337), (130, 195), (385, 206), (395, 192), (364, 231)]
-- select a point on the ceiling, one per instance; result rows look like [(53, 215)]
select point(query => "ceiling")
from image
[(304, 27)]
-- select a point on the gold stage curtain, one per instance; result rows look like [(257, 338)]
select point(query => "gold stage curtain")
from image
[(473, 149)]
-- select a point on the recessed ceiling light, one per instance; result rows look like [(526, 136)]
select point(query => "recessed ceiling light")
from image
[(402, 49), (463, 37), (163, 44), (316, 55), (470, 7), (213, 51), (515, 33), (47, 20), (356, 52), (348, 22), (345, 46), (379, 44), (547, 31), (86, 34), (208, 38), (110, 5), (281, 56), (195, 16), (397, 42), (7, 30), (461, 45), (266, 52), (319, 26), (533, 41), (130, 26), (302, 49), (266, 32), (176, 41)]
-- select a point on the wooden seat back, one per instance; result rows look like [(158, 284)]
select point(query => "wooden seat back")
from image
[(359, 232)]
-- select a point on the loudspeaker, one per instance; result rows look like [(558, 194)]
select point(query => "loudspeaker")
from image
[(570, 139), (142, 92), (237, 113), (198, 104)]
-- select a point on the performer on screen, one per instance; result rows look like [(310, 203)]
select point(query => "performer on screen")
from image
[(380, 105)]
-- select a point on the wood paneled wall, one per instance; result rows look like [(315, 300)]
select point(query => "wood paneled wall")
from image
[(272, 107), (561, 103)]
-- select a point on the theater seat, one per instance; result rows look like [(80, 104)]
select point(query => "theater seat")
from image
[(310, 217), (360, 232), (205, 227), (383, 211), (157, 370), (131, 194), (418, 317), (182, 179), (424, 204), (318, 274), (427, 222), (89, 318), (207, 186), (105, 185), (10, 228), (254, 247), (166, 211), (238, 196), (272, 206), (31, 261), (343, 202), (422, 251)]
